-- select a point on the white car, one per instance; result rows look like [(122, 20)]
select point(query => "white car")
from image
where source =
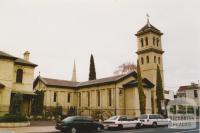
[(154, 120), (121, 122)]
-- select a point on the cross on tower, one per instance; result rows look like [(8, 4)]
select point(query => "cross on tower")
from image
[(148, 20)]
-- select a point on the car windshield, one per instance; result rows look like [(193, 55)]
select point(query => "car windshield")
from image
[(113, 118), (68, 119), (143, 117)]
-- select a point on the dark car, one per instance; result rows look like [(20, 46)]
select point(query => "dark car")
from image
[(74, 124)]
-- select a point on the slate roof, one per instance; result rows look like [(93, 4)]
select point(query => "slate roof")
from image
[(55, 82), (183, 88), (106, 80), (16, 59), (7, 56), (2, 85), (24, 62), (148, 28), (71, 84), (145, 82), (187, 87)]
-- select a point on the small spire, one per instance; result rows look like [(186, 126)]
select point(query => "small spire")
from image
[(148, 23), (74, 72)]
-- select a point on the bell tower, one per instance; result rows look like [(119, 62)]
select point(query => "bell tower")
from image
[(149, 51)]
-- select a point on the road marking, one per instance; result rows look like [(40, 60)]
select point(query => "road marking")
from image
[(187, 131), (131, 131), (143, 131)]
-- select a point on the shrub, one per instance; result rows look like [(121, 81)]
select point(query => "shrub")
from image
[(71, 111), (57, 111), (13, 118), (101, 114), (53, 113)]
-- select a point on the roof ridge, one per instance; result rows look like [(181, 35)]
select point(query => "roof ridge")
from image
[(17, 60), (7, 54), (69, 83), (58, 79)]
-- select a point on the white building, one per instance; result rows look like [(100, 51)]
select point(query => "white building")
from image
[(191, 92)]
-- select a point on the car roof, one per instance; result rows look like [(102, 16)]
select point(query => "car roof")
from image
[(150, 114), (119, 115)]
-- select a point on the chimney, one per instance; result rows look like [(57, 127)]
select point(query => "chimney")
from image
[(26, 55)]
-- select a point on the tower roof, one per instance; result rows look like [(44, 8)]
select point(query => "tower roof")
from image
[(148, 28)]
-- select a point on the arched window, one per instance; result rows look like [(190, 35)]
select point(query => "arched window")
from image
[(154, 59), (142, 60), (88, 94), (157, 41), (19, 76), (54, 97), (110, 97), (146, 40), (98, 98), (159, 60), (147, 59), (79, 99), (142, 42), (69, 97), (154, 40)]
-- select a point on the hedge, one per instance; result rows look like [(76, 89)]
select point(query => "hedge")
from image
[(13, 118)]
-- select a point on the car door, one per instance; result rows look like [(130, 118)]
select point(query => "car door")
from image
[(79, 124), (132, 123), (124, 121), (164, 121), (152, 118), (89, 125), (160, 121)]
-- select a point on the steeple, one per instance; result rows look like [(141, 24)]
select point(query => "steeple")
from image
[(150, 55), (148, 28), (74, 72)]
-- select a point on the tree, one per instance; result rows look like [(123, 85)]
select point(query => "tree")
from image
[(142, 97), (159, 90), (125, 68), (16, 103), (92, 73)]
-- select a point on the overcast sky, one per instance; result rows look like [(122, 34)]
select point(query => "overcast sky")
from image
[(58, 31)]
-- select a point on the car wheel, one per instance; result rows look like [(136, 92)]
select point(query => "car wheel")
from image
[(120, 127), (99, 129), (154, 125), (138, 125), (73, 130)]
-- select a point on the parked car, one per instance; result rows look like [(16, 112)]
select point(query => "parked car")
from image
[(154, 120), (74, 124), (121, 122)]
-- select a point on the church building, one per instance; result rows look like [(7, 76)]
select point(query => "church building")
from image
[(116, 95)]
